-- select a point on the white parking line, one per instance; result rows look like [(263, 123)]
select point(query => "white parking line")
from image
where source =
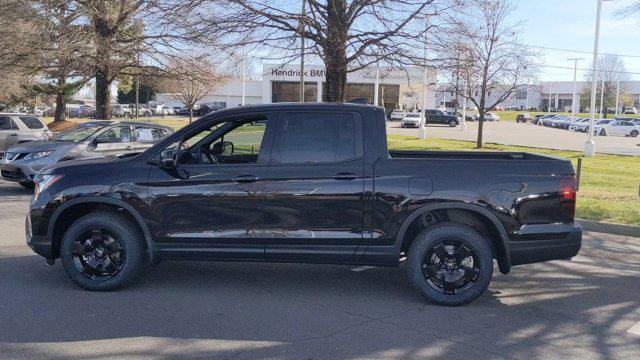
[(635, 329)]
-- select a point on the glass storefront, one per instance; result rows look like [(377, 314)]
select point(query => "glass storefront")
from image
[(289, 91)]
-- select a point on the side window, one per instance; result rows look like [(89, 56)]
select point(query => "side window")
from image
[(6, 123), (31, 122), (148, 134), (118, 134), (319, 138)]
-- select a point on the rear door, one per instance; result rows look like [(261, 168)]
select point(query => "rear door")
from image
[(145, 136), (313, 191), (8, 133)]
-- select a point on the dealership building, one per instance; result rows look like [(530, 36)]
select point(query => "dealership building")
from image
[(398, 88)]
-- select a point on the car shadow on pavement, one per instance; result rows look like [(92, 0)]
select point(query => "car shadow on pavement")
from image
[(260, 310)]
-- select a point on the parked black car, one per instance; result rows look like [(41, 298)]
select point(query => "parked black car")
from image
[(308, 183), (523, 118), (536, 119), (440, 117)]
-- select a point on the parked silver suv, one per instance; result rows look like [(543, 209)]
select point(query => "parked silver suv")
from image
[(17, 128), (88, 140)]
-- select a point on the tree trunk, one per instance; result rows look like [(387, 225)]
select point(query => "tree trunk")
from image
[(335, 51), (61, 108), (480, 126), (103, 95), (190, 114)]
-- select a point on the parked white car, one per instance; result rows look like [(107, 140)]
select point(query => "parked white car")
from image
[(491, 116), (41, 110), (397, 114), (630, 110), (618, 128), (412, 119), (18, 128)]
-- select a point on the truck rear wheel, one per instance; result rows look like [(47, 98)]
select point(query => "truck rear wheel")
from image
[(450, 264), (102, 251)]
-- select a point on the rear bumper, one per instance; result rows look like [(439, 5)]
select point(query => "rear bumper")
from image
[(538, 243)]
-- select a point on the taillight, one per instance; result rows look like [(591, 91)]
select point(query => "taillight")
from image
[(567, 189)]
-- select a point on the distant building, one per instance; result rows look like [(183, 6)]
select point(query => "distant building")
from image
[(558, 92), (281, 83)]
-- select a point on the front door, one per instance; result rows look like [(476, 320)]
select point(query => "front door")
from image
[(113, 141), (209, 205), (313, 192)]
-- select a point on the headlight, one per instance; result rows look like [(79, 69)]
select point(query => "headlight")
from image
[(43, 182), (38, 155)]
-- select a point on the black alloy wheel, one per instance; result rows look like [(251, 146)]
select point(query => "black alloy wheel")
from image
[(450, 267), (103, 251), (450, 264), (98, 255)]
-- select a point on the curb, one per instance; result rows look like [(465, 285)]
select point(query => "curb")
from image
[(609, 228)]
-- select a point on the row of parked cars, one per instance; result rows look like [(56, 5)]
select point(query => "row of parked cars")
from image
[(437, 116), (27, 145), (619, 126)]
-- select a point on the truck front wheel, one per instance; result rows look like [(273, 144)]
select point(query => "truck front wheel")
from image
[(450, 264)]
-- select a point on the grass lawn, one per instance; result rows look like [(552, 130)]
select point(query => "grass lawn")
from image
[(608, 184)]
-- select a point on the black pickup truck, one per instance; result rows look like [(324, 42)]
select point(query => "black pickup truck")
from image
[(311, 183)]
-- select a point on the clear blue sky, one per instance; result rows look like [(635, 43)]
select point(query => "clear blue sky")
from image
[(570, 24)]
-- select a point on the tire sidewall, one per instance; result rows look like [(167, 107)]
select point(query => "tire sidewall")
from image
[(427, 238), (126, 235)]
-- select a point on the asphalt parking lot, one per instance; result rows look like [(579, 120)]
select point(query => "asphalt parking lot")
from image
[(512, 133), (584, 308)]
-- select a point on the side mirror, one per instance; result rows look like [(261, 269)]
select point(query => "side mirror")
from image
[(168, 159)]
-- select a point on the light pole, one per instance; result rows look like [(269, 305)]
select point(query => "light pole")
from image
[(617, 97), (302, 15), (602, 96), (244, 76), (549, 104), (376, 90), (573, 96), (422, 134), (463, 125), (557, 95), (590, 146)]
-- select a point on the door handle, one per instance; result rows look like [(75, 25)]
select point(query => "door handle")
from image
[(245, 178), (345, 176)]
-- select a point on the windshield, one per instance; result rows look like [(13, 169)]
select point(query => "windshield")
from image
[(78, 133)]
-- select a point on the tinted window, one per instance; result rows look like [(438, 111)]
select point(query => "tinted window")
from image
[(318, 137), (5, 123), (149, 134), (31, 122), (116, 134)]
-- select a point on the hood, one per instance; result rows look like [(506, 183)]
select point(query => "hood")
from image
[(84, 161), (42, 145)]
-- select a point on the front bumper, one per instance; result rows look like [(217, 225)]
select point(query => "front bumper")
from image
[(20, 172), (410, 124), (538, 243), (39, 244)]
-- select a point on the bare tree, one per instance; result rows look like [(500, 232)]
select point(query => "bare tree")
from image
[(61, 53), (484, 54), (345, 35), (131, 37), (611, 70), (191, 80)]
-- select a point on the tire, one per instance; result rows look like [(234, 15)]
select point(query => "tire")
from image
[(444, 236), (603, 132), (634, 133), (27, 184), (453, 123), (120, 232)]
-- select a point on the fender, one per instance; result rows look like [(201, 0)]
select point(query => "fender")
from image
[(504, 263), (151, 245)]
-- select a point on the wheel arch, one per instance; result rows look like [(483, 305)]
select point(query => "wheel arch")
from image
[(503, 255), (95, 203)]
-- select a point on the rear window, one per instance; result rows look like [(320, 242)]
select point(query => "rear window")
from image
[(319, 138), (150, 134), (31, 122)]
